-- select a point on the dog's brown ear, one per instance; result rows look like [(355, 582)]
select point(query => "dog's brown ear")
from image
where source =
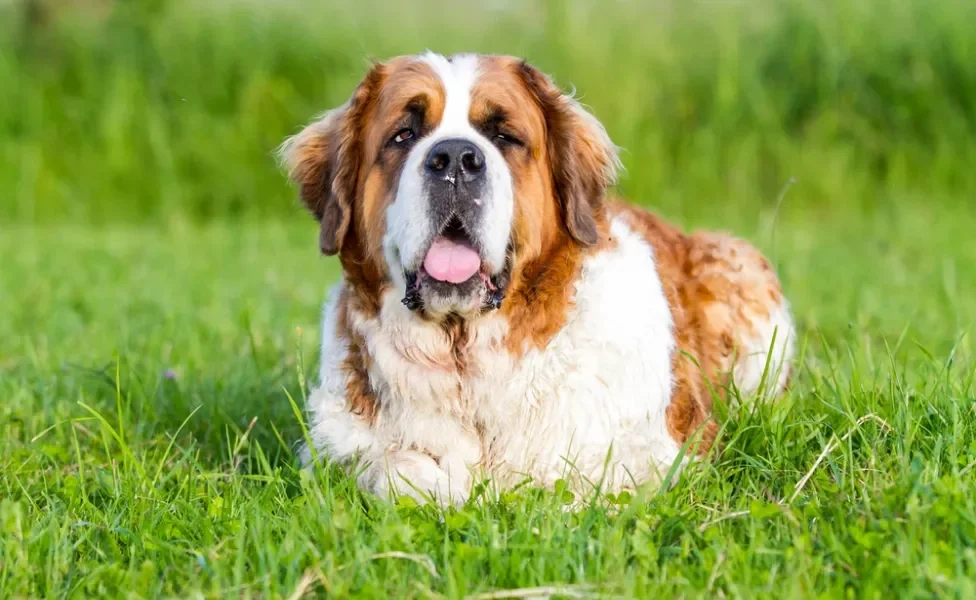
[(323, 160), (584, 159)]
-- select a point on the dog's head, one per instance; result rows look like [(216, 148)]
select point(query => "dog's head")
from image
[(441, 176)]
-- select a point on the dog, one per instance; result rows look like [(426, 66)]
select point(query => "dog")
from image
[(500, 315)]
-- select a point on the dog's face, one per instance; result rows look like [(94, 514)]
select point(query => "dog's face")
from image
[(443, 176)]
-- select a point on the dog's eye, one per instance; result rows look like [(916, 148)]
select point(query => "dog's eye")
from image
[(505, 139), (403, 135)]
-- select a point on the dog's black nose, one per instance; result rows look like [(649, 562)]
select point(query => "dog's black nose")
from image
[(455, 158)]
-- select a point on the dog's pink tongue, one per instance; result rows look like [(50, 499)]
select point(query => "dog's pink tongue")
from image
[(451, 261)]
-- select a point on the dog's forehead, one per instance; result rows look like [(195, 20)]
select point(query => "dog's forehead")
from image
[(457, 73), (450, 87)]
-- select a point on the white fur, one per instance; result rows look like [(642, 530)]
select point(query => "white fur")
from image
[(408, 225), (598, 390)]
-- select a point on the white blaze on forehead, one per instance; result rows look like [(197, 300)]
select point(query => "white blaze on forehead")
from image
[(458, 75), (408, 223)]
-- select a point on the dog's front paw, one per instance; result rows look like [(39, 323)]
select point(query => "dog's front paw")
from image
[(417, 475)]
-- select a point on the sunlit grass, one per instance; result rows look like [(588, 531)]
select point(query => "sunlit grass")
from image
[(147, 436)]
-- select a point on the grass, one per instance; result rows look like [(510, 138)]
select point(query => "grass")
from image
[(160, 293), (147, 436)]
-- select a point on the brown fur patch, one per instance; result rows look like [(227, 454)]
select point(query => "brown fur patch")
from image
[(737, 290), (541, 293), (360, 399)]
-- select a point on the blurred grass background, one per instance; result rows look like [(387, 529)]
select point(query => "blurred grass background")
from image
[(165, 110)]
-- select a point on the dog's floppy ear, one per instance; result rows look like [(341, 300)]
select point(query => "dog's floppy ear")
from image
[(323, 160), (584, 159)]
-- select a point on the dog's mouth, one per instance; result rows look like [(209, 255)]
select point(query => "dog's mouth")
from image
[(453, 266), (452, 257)]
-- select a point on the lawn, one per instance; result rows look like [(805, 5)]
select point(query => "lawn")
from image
[(160, 293), (148, 432)]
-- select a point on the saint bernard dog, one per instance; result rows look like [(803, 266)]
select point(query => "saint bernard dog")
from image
[(499, 316)]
